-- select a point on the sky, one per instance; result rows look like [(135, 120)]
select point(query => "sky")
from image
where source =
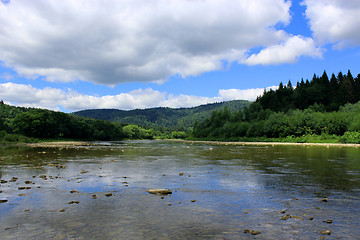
[(135, 54)]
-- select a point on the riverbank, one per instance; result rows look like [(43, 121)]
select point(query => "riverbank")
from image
[(267, 143), (88, 143), (60, 144)]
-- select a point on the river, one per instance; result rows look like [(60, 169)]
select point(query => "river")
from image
[(218, 191)]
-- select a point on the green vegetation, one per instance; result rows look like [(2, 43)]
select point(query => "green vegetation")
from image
[(179, 119), (24, 124), (321, 110), (18, 124)]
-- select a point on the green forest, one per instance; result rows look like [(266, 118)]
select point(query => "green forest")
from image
[(19, 124), (320, 110), (28, 124), (176, 119)]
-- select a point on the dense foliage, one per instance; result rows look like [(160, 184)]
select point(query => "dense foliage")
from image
[(159, 119), (329, 93), (305, 113), (21, 124), (40, 123)]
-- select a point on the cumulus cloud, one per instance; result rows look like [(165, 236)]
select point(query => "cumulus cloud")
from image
[(287, 52), (111, 42), (239, 94), (69, 100), (335, 21)]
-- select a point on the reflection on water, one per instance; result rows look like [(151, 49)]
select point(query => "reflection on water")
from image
[(285, 192)]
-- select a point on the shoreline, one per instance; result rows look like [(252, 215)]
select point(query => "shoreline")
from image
[(57, 144), (266, 143)]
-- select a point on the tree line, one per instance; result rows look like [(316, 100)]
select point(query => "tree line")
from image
[(329, 93), (316, 110), (28, 124), (40, 123)]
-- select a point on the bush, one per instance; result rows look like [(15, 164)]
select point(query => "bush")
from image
[(350, 137)]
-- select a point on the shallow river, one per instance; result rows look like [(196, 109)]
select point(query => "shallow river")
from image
[(225, 192)]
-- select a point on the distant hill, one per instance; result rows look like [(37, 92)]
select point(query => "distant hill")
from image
[(179, 118)]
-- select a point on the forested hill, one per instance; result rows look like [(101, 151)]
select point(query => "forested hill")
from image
[(330, 94), (322, 109), (18, 123), (179, 118)]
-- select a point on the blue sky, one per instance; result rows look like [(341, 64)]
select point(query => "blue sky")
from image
[(73, 55)]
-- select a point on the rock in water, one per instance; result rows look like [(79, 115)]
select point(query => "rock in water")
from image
[(159, 191), (326, 232)]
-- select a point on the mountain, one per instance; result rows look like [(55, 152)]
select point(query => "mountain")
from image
[(178, 118)]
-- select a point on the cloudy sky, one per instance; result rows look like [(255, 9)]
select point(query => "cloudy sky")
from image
[(72, 55)]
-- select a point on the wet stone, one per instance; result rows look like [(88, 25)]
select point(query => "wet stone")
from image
[(3, 200), (94, 196), (72, 202), (73, 191), (324, 200), (325, 232), (14, 179), (329, 221), (252, 232), (3, 181), (28, 182), (159, 191), (108, 194), (296, 217), (181, 173)]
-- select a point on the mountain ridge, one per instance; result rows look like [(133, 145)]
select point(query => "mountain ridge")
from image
[(180, 118)]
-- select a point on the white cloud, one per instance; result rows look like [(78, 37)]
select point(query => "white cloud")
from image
[(56, 99), (335, 21), (287, 52), (239, 94), (110, 42)]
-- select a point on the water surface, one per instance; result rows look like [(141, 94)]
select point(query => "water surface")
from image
[(223, 191)]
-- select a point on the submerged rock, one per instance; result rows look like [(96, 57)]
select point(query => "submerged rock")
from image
[(13, 179), (296, 217), (252, 232), (159, 191), (286, 217)]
